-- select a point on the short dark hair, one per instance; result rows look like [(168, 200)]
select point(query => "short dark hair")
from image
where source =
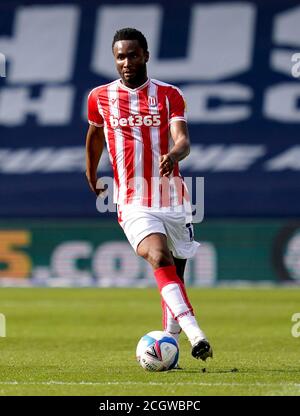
[(129, 33)]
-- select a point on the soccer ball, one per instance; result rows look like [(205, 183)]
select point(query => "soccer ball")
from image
[(157, 351)]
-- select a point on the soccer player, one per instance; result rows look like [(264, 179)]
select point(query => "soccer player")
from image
[(143, 123)]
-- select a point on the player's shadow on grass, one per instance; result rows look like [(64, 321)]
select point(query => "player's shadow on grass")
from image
[(206, 371), (236, 370)]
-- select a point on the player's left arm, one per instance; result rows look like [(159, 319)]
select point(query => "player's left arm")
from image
[(181, 148)]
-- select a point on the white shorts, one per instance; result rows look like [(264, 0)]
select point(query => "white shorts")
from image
[(138, 222)]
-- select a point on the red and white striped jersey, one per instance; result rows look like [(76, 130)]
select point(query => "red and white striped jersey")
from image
[(136, 126)]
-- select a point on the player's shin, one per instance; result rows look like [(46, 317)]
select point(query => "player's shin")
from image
[(174, 295), (170, 324)]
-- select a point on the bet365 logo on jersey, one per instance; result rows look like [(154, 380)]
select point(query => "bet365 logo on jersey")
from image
[(135, 121)]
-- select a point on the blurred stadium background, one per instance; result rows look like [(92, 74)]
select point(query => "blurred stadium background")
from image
[(232, 60)]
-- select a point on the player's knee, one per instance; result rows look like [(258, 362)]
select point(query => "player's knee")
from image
[(158, 258)]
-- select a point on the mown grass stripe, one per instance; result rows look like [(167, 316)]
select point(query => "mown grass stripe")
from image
[(117, 383)]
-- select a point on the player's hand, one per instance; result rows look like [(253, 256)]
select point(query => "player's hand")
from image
[(166, 165), (95, 184)]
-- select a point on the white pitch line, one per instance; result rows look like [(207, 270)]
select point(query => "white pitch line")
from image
[(153, 383)]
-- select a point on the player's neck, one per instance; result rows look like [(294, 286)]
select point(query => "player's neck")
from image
[(135, 83)]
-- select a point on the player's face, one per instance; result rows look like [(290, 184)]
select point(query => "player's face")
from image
[(131, 61)]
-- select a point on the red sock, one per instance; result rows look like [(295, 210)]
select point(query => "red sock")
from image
[(164, 313), (167, 275)]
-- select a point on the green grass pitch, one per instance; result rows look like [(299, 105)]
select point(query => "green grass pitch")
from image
[(82, 342)]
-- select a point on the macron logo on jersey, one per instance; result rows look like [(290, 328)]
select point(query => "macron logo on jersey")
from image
[(135, 121)]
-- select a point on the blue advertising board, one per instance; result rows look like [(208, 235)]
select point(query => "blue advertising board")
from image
[(237, 63)]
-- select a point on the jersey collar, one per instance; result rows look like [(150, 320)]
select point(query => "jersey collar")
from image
[(133, 89)]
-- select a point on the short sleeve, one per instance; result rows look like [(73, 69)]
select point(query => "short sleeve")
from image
[(177, 106), (94, 117)]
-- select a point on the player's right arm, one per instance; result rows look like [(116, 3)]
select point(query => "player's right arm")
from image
[(95, 140)]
